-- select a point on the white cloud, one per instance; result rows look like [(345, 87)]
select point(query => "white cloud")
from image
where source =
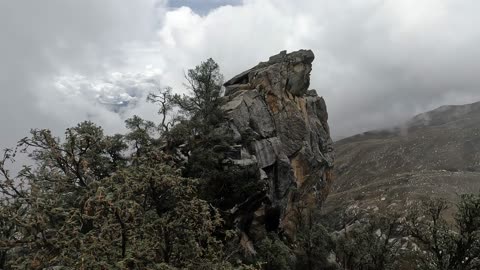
[(40, 40), (378, 62)]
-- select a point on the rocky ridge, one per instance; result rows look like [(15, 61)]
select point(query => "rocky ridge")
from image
[(280, 127)]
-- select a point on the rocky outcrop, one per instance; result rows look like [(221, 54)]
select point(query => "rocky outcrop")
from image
[(280, 127)]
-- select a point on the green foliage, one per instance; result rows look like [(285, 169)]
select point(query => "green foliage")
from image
[(88, 207), (84, 156), (443, 246), (424, 238), (314, 246), (118, 202), (142, 135), (225, 185), (164, 99), (370, 242), (274, 254), (203, 102), (162, 197)]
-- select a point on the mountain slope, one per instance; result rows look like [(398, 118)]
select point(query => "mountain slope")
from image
[(434, 154)]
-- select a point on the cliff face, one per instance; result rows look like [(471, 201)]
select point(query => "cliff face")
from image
[(281, 128)]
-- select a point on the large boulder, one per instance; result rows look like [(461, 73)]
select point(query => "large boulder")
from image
[(281, 126)]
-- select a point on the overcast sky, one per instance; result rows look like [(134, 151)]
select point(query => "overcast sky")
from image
[(378, 62)]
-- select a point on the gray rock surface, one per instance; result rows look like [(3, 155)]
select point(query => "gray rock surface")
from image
[(282, 126)]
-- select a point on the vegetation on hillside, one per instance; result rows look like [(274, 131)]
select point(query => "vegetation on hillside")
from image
[(126, 201), (422, 239)]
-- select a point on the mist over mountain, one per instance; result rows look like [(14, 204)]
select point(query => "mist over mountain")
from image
[(434, 154)]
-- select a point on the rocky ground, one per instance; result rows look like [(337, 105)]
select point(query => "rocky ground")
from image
[(435, 154)]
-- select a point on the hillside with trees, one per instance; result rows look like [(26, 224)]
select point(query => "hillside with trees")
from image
[(179, 194)]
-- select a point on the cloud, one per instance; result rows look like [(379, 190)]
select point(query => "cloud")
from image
[(203, 6), (378, 62), (41, 39), (108, 99)]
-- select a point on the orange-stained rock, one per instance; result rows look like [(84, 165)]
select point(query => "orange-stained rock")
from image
[(289, 140)]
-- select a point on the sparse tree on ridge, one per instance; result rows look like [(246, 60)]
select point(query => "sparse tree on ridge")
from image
[(164, 99), (202, 103)]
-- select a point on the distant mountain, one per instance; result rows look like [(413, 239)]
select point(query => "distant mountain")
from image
[(435, 154)]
